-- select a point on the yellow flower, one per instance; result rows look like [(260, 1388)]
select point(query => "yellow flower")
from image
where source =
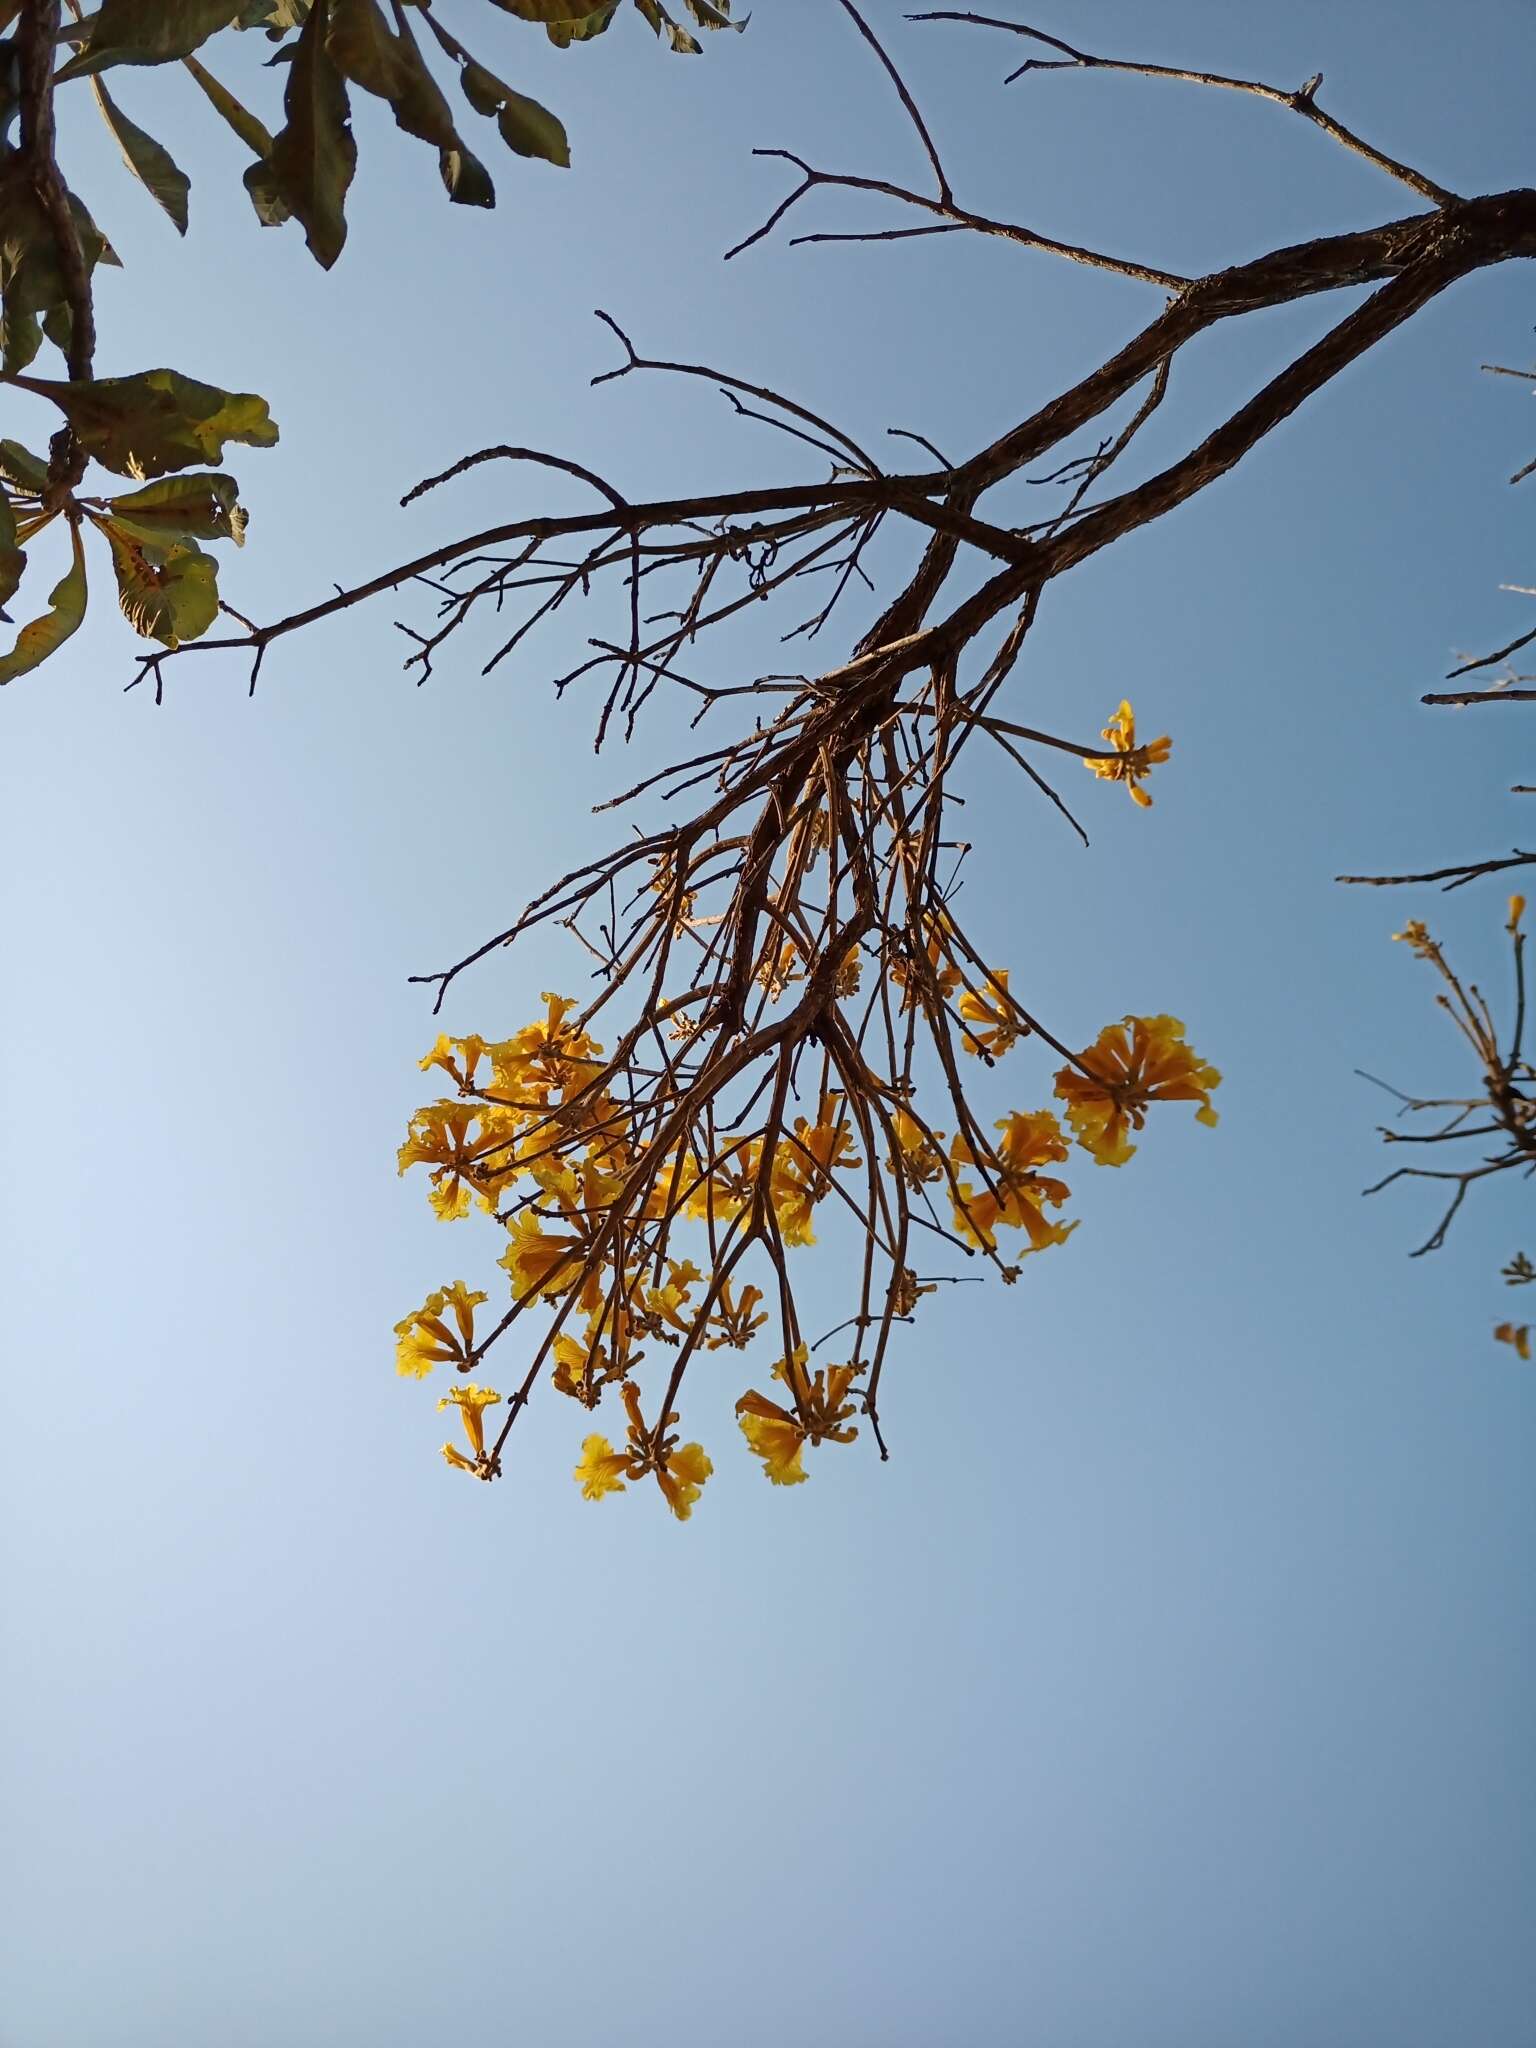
[(666, 1313), (468, 1149), (1516, 912), (602, 1468), (682, 1478), (1019, 1192), (989, 1007), (680, 1469), (1518, 1334), (776, 1438), (585, 1365), (1415, 934), (937, 971), (737, 1322), (918, 1158), (1129, 763), (471, 1402), (545, 1058), (458, 1058), (803, 1168), (423, 1339), (1129, 1065), (779, 1435)]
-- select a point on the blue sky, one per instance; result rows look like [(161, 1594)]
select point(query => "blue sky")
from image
[(1173, 1682)]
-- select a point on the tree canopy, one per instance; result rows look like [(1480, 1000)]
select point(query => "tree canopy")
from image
[(791, 1034)]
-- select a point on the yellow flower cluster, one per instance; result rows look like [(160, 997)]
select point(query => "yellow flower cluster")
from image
[(1126, 762), (535, 1137)]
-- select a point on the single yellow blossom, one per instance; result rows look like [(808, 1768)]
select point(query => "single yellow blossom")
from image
[(1129, 763), (472, 1402), (602, 1468), (1517, 1334), (1516, 912), (1128, 1066), (989, 1010)]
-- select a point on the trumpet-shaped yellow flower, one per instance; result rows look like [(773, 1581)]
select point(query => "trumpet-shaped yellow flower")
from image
[(1128, 1066), (680, 1470), (469, 1149), (822, 1413), (1517, 1334), (735, 1322), (1129, 763), (918, 1157), (545, 1059), (423, 1339), (988, 1011), (601, 1469), (1018, 1191), (459, 1059), (1516, 912), (937, 972), (472, 1402), (803, 1167)]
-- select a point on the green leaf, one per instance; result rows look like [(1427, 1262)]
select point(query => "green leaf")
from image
[(314, 156), (467, 180), (255, 134), (563, 33), (153, 165), (713, 14), (19, 466), (663, 24), (532, 130), (31, 283), (364, 48), (202, 507), (159, 420), (525, 126), (168, 593), (12, 558), (42, 637), (547, 10), (147, 32)]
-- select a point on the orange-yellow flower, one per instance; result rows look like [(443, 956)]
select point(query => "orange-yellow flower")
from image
[(1128, 1066), (1517, 1334), (468, 1150), (680, 1470), (1019, 1192), (423, 1339), (1129, 763), (989, 1011), (803, 1168), (1516, 912), (471, 1402), (779, 1435)]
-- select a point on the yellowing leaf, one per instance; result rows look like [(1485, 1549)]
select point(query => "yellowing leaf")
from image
[(44, 636), (168, 593), (181, 507), (145, 425)]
